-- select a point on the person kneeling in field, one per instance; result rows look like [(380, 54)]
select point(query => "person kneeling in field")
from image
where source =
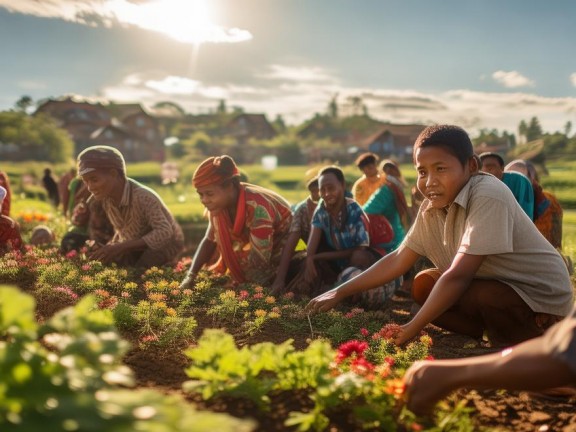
[(542, 364), (248, 225), (340, 242), (300, 229), (10, 238), (145, 232), (495, 273)]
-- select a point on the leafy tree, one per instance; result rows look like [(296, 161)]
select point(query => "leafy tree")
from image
[(37, 137), (333, 107), (222, 107), (522, 128), (23, 103), (567, 128), (492, 137), (279, 124), (534, 130)]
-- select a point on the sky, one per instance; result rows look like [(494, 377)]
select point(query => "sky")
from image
[(479, 64)]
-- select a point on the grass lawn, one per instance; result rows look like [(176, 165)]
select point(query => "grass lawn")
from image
[(290, 181)]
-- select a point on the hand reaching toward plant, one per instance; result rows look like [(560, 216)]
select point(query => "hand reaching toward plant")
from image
[(323, 302)]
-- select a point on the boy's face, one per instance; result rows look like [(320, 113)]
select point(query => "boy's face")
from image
[(492, 166), (441, 176), (331, 191)]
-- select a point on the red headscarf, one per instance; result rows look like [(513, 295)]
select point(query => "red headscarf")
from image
[(215, 170)]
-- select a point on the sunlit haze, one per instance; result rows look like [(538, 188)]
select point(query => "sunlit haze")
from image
[(479, 64)]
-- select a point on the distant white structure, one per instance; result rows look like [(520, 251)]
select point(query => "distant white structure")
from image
[(270, 162)]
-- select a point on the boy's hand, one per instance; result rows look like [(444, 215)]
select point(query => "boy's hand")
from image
[(323, 302), (407, 333)]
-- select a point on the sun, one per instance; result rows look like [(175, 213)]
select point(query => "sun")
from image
[(187, 21)]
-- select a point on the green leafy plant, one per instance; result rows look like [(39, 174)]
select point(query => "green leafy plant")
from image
[(65, 376)]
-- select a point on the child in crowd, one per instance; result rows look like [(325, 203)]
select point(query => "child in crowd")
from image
[(547, 210), (10, 238), (494, 274), (371, 179), (519, 185), (145, 232), (299, 230), (541, 364), (340, 239), (390, 202), (248, 224)]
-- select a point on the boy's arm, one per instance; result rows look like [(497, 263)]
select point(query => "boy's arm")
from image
[(449, 288), (383, 271)]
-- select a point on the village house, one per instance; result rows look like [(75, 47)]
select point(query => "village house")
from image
[(127, 127), (393, 141)]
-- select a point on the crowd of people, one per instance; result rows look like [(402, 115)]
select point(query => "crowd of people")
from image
[(483, 226)]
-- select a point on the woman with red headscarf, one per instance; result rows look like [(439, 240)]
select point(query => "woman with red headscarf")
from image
[(248, 224)]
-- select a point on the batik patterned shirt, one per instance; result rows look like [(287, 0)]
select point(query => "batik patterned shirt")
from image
[(142, 214), (265, 228)]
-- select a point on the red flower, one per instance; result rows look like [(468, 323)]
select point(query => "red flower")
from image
[(349, 348), (361, 366), (390, 331), (364, 332)]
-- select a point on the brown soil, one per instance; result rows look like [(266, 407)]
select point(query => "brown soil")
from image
[(505, 411)]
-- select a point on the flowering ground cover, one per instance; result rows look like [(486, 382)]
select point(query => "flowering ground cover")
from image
[(234, 349)]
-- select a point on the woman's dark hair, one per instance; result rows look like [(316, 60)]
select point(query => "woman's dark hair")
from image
[(366, 159), (332, 169), (452, 138)]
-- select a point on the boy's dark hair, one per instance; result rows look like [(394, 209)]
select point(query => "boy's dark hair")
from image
[(496, 156), (452, 138), (366, 159), (333, 169)]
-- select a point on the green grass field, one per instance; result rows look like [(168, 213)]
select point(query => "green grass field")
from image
[(289, 181)]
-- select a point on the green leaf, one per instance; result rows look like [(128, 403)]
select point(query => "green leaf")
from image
[(16, 310)]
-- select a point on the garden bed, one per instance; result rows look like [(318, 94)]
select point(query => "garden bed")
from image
[(503, 410), (164, 324)]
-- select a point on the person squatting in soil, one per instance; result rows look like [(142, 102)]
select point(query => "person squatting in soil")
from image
[(300, 229), (145, 232), (544, 364), (10, 238), (248, 225), (484, 248), (340, 239), (372, 178), (520, 186)]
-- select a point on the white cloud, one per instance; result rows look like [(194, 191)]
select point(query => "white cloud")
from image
[(184, 20), (298, 99), (174, 85), (573, 79), (512, 79), (297, 73)]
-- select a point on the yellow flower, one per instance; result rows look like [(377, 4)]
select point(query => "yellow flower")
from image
[(131, 286), (171, 312), (260, 313)]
